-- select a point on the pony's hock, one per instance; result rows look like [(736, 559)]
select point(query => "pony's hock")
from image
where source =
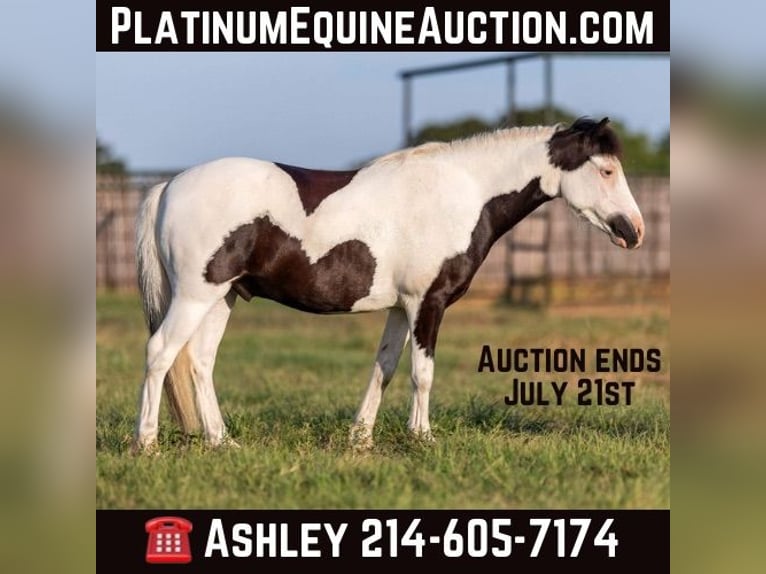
[(407, 233)]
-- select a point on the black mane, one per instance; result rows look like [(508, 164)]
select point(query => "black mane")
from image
[(571, 147)]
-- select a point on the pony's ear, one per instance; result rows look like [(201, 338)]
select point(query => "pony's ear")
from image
[(605, 140)]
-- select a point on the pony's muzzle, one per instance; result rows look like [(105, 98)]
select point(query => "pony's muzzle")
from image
[(626, 232)]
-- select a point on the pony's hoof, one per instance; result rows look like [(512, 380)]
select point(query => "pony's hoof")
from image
[(144, 447), (424, 436), (225, 442), (229, 442), (360, 438)]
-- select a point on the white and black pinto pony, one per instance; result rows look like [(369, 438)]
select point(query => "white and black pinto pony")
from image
[(406, 233)]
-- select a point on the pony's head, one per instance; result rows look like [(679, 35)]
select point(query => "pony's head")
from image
[(592, 181)]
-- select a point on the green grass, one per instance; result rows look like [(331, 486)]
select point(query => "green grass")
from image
[(289, 384)]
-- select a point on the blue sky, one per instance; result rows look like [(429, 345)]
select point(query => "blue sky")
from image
[(172, 110)]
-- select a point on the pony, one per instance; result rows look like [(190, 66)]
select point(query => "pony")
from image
[(406, 233)]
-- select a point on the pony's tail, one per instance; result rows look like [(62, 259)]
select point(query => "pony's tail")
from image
[(155, 297)]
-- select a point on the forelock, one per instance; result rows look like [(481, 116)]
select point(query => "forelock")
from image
[(569, 148)]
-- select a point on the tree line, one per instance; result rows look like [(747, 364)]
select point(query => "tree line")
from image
[(641, 154)]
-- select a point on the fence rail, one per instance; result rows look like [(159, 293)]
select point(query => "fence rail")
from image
[(546, 257)]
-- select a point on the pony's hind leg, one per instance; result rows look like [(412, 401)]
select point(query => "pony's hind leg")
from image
[(394, 338), (180, 323), (203, 348)]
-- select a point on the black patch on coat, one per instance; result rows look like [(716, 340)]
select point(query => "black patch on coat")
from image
[(498, 216), (273, 265), (314, 185), (570, 148)]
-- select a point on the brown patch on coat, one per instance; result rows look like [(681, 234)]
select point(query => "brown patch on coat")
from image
[(497, 217), (570, 148), (270, 263), (314, 185)]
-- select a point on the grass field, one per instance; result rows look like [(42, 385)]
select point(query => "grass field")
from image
[(289, 384)]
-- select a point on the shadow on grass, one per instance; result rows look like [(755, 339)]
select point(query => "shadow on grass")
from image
[(115, 430), (478, 415), (616, 422), (299, 427), (326, 430)]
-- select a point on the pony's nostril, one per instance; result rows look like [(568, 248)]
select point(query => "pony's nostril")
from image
[(622, 227), (638, 225)]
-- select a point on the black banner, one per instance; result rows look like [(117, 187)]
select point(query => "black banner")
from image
[(249, 540), (322, 25)]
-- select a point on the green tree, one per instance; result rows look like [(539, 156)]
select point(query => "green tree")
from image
[(106, 162), (538, 116), (461, 128)]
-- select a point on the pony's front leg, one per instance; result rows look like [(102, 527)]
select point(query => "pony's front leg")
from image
[(392, 343), (425, 327), (422, 379)]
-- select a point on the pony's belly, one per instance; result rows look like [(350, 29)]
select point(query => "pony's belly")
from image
[(381, 299), (260, 260), (309, 300), (340, 295)]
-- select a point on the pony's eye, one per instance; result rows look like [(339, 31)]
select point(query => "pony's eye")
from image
[(606, 172)]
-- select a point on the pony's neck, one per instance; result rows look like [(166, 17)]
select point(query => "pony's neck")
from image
[(514, 177), (501, 213), (507, 160)]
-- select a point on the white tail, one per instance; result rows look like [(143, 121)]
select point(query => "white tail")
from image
[(155, 297)]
